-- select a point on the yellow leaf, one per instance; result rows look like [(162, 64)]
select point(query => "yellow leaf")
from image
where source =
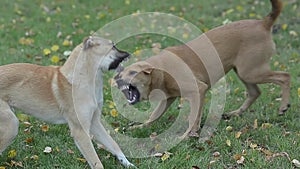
[(165, 156), (253, 145), (87, 16), (255, 125), (46, 51), (81, 160), (157, 147), (252, 15), (67, 43), (2, 167), (236, 90), (238, 134), (137, 52), (114, 113), (266, 125), (117, 129), (55, 59), (12, 153), (229, 128), (34, 157), (229, 11), (267, 152), (111, 105), (284, 26), (55, 48), (276, 64), (185, 35), (239, 8), (172, 8), (299, 92), (26, 41), (228, 142), (23, 117)]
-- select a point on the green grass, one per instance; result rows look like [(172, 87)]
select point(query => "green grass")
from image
[(41, 21)]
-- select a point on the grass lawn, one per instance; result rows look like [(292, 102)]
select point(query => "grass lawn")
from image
[(41, 31)]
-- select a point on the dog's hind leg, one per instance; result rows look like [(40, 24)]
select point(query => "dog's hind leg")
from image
[(9, 125), (261, 75), (101, 136), (253, 92)]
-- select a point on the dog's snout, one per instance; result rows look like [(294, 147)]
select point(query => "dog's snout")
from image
[(120, 53)]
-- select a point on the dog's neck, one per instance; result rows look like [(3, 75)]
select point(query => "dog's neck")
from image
[(79, 65)]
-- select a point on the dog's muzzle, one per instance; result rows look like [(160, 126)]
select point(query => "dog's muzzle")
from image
[(120, 56), (131, 92)]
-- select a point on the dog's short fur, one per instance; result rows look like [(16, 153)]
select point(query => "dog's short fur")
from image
[(63, 94), (245, 46)]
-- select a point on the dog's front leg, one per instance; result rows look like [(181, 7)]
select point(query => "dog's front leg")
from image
[(101, 136), (162, 106), (84, 143), (196, 106)]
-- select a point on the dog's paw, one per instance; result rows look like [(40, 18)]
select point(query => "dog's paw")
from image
[(282, 110)]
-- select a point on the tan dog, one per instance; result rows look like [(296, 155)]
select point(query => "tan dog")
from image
[(69, 94), (245, 46)]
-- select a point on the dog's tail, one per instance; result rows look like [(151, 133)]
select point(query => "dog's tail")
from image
[(273, 15)]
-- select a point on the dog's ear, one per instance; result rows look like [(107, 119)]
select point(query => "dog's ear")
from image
[(148, 70), (89, 42)]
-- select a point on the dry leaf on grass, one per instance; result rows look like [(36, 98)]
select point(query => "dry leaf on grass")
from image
[(296, 163)]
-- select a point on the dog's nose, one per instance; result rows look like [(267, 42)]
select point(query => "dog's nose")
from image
[(121, 54)]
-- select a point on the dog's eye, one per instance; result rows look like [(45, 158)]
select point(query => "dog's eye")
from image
[(133, 72)]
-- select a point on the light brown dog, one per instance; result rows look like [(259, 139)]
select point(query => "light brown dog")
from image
[(245, 46), (69, 94)]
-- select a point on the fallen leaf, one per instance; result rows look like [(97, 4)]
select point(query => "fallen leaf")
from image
[(228, 142), (55, 59), (238, 134), (266, 125), (253, 145), (216, 154), (296, 163), (26, 41), (114, 113), (2, 167), (34, 157), (165, 157), (29, 140), (16, 164), (229, 128), (241, 160), (45, 128), (47, 150), (255, 125), (70, 151), (267, 152), (46, 51), (284, 26), (12, 154), (81, 160)]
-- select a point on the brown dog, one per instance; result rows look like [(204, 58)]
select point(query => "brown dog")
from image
[(245, 46), (69, 94)]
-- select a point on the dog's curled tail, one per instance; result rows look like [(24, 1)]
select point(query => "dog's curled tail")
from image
[(273, 15)]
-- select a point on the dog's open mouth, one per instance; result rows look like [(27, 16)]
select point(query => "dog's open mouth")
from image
[(120, 57), (131, 93)]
